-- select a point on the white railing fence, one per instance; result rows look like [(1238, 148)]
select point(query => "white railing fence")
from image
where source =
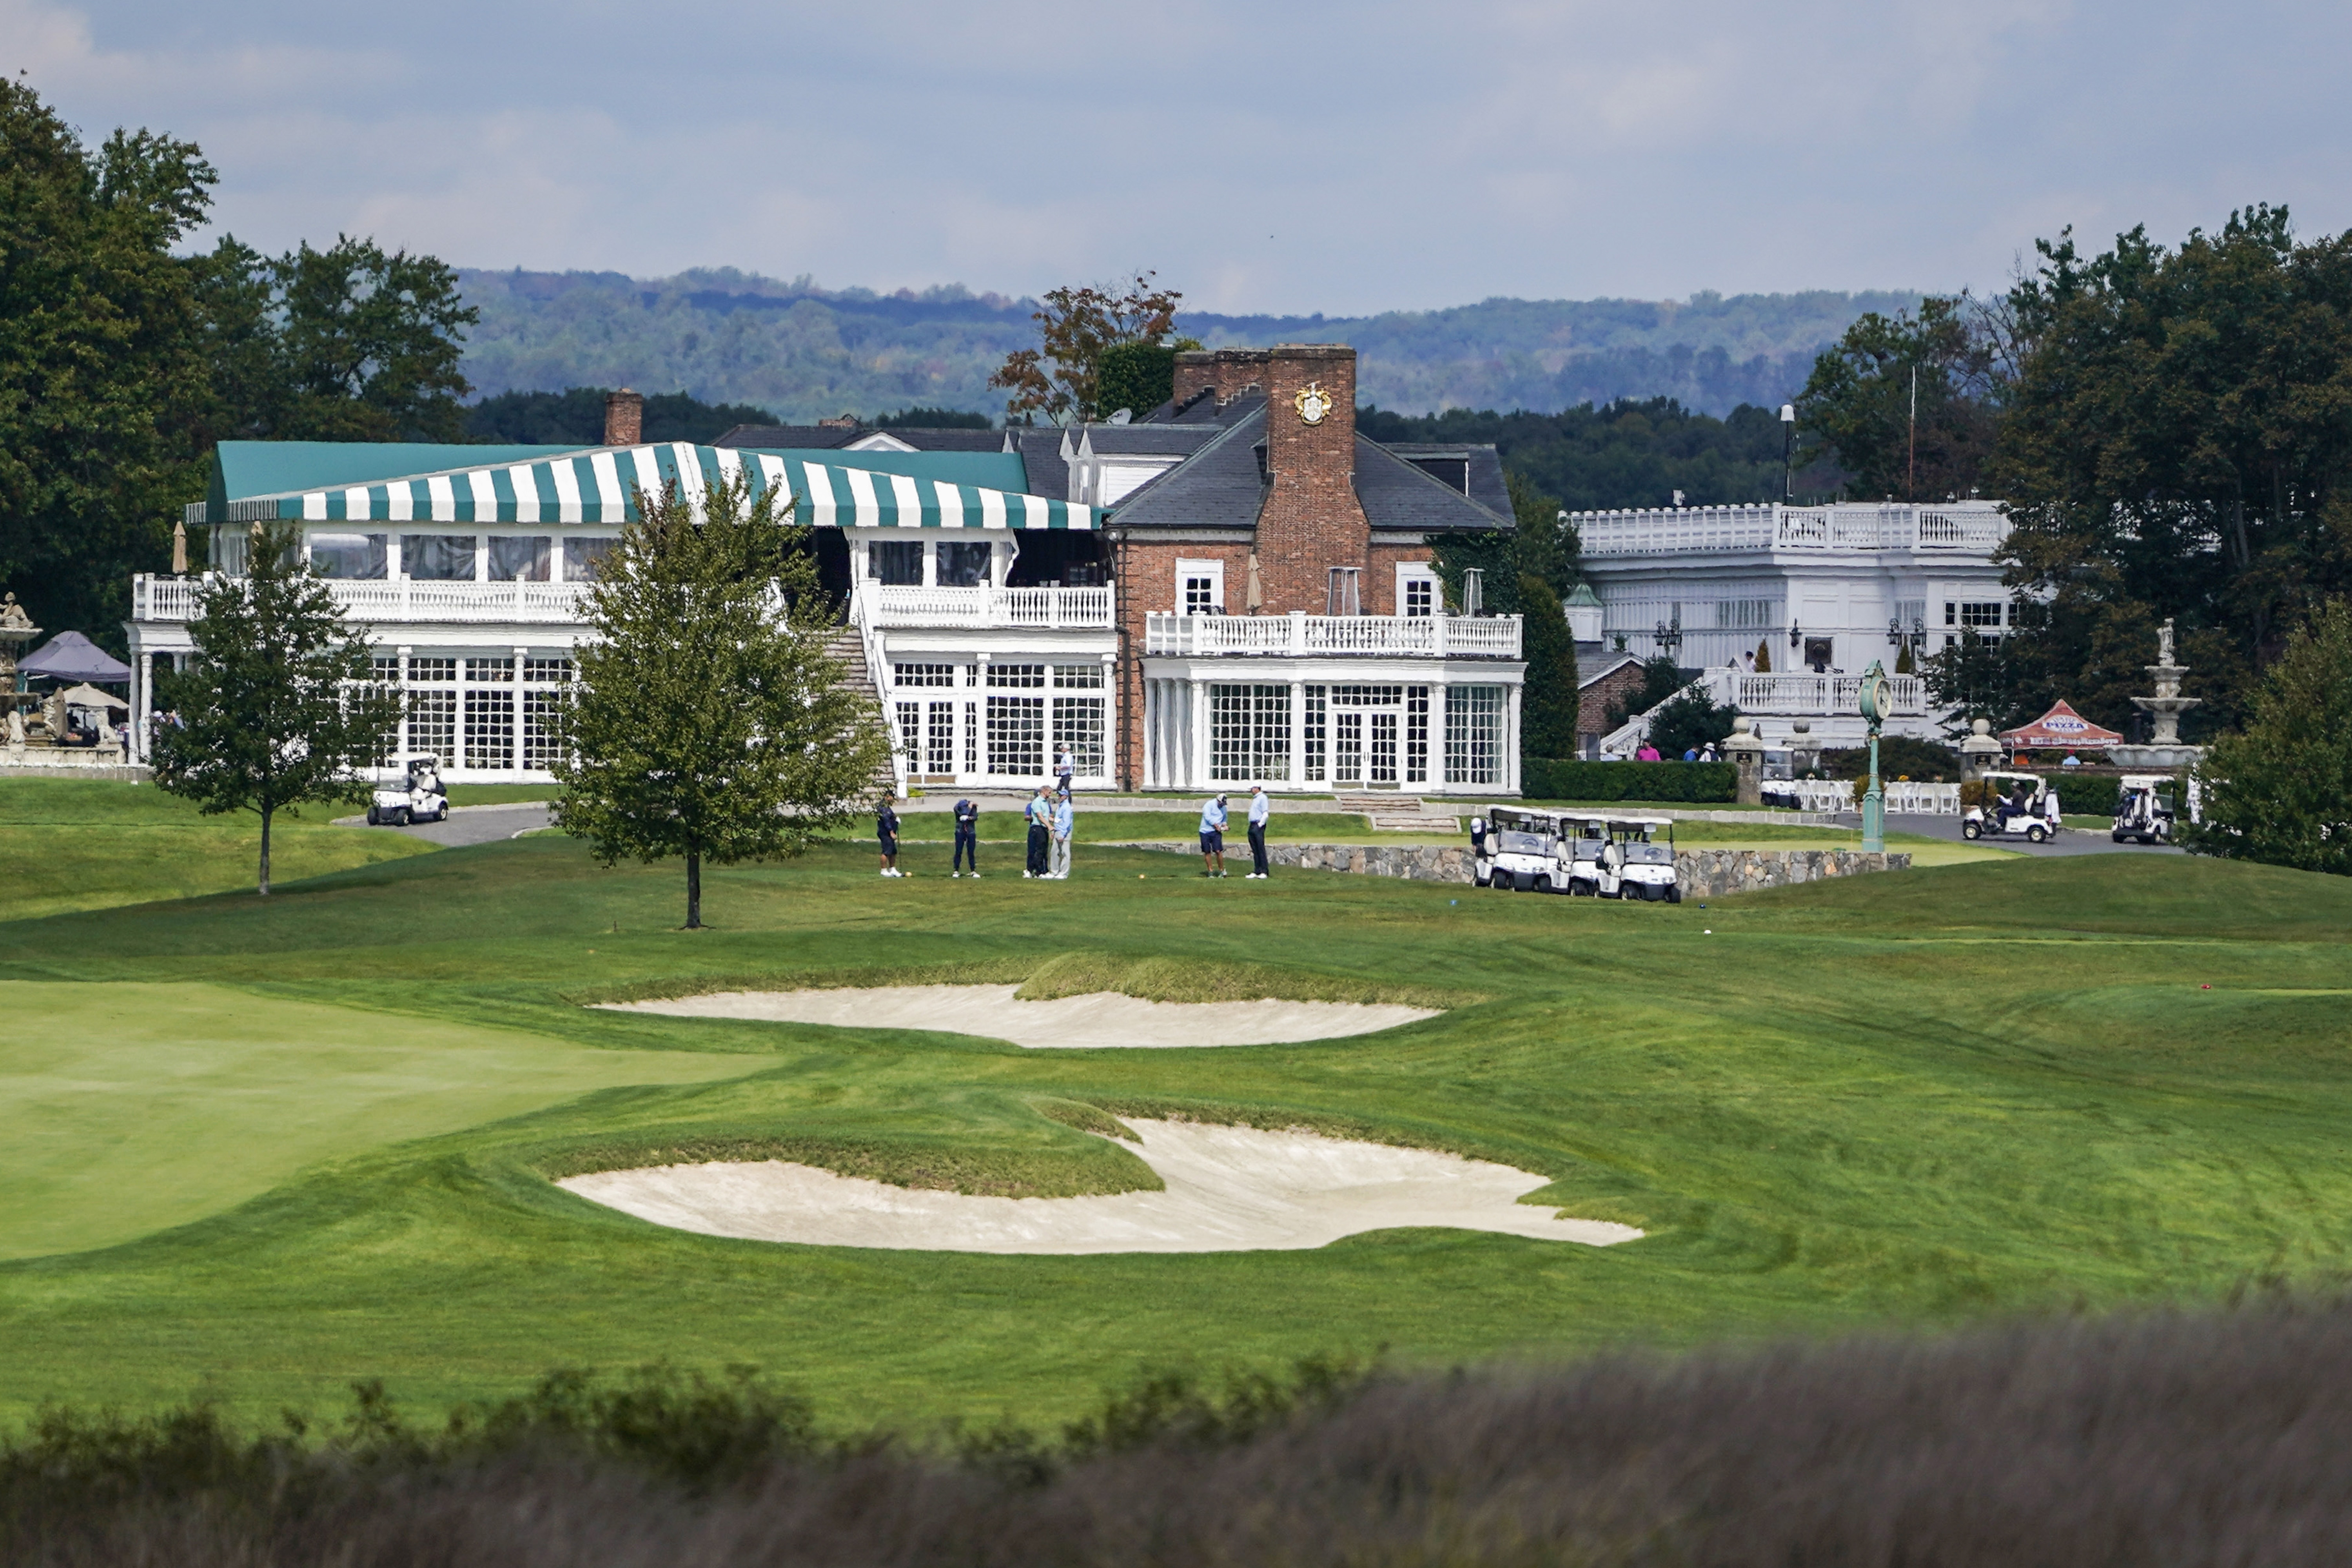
[(894, 605), (401, 599), (1425, 637), (1962, 526)]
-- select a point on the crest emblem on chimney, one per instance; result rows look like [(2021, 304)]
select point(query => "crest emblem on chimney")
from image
[(1313, 402)]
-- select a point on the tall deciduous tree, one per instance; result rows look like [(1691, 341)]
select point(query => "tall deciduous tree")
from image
[(122, 362), (1059, 378), (277, 709), (710, 722), (2177, 445), (100, 356), (1907, 404), (2280, 790)]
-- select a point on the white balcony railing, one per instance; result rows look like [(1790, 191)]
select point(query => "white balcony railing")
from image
[(391, 601), (1408, 637), (890, 604), (1961, 527), (1812, 695)]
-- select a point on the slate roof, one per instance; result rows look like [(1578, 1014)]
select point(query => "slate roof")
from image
[(1488, 487), (1222, 485), (823, 438)]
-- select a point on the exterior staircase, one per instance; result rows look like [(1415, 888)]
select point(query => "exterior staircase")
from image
[(1398, 813), (847, 644)]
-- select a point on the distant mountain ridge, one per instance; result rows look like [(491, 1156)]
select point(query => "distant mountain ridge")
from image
[(807, 352)]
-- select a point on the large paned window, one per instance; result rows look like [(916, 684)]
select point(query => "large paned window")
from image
[(1016, 723), (1249, 733), (963, 566), (1473, 734), (910, 735), (1079, 716), (437, 557), (519, 560), (490, 714), (922, 675), (350, 556), (896, 562), (584, 558), (1316, 733), (1416, 735), (433, 709)]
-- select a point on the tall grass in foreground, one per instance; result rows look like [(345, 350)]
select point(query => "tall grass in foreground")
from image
[(2158, 1439)]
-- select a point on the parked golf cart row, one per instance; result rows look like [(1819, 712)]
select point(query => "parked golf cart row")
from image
[(1514, 849), (415, 794)]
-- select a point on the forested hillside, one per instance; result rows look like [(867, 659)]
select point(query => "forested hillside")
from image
[(807, 352)]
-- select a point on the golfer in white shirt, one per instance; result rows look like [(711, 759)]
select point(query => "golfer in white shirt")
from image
[(1261, 808)]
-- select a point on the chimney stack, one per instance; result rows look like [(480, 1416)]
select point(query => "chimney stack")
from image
[(625, 417), (1311, 525)]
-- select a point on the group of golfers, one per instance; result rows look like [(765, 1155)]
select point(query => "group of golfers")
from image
[(1052, 819)]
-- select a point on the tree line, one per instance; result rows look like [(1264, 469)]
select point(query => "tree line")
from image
[(123, 361)]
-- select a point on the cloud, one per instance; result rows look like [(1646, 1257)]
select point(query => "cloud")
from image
[(1344, 158)]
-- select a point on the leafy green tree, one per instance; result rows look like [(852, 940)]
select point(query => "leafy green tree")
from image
[(1059, 377), (2177, 444), (1907, 405), (922, 417), (1137, 377), (1660, 678), (277, 709), (100, 359), (710, 721), (2280, 790), (1548, 706), (1689, 718), (1540, 544)]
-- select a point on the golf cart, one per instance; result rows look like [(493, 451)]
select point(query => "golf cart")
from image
[(1516, 850), (412, 794), (2024, 806), (1634, 865), (2144, 808)]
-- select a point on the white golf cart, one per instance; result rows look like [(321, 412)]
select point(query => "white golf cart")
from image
[(412, 794), (2024, 806), (1634, 865), (2144, 808), (1517, 850)]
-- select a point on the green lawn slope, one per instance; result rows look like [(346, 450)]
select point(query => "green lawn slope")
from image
[(285, 1143)]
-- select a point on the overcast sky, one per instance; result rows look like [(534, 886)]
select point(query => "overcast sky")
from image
[(1339, 157)]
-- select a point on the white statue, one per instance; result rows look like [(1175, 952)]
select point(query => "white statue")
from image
[(2163, 642)]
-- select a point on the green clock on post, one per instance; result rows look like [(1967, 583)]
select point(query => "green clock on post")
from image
[(1877, 702)]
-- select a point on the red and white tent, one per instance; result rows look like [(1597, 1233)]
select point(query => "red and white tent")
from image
[(2062, 727)]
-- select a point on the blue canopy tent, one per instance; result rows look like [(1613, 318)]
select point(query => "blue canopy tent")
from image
[(71, 656)]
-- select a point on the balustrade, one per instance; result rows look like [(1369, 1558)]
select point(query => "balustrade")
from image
[(392, 600), (1302, 635), (907, 605)]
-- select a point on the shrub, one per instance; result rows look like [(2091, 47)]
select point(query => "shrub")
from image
[(1570, 779)]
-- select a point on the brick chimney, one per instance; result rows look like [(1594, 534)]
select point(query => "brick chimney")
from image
[(1311, 521), (1196, 371), (625, 417)]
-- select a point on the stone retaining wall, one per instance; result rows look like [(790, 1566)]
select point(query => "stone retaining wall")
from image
[(1703, 873)]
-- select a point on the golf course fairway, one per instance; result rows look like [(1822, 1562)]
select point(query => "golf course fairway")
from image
[(260, 1148)]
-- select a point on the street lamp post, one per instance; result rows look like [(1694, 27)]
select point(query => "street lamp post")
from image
[(1788, 452)]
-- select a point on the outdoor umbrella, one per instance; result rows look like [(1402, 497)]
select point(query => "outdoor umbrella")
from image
[(70, 656), (91, 697)]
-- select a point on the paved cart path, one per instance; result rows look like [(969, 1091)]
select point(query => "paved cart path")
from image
[(2073, 841), (467, 823)]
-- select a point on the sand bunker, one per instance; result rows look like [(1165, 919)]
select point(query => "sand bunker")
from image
[(1228, 1189), (1104, 1019)]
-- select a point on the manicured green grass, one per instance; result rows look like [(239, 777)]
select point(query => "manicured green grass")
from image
[(71, 844), (1900, 1097)]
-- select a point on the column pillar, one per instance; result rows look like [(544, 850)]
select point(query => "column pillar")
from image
[(1511, 743), (1297, 733), (1199, 759)]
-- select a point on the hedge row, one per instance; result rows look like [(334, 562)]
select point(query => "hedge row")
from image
[(1548, 778)]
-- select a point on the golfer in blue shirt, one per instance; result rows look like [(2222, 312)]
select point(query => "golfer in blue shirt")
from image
[(1261, 808), (1065, 819), (1212, 837)]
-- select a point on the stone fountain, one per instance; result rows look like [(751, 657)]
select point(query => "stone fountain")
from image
[(2164, 750)]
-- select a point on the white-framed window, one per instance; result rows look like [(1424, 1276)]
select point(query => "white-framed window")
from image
[(1473, 734), (1249, 733), (1418, 593), (1200, 587), (922, 675)]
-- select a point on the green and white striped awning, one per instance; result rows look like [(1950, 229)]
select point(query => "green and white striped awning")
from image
[(601, 485)]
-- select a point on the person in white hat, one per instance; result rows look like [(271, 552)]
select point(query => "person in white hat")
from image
[(1261, 809)]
